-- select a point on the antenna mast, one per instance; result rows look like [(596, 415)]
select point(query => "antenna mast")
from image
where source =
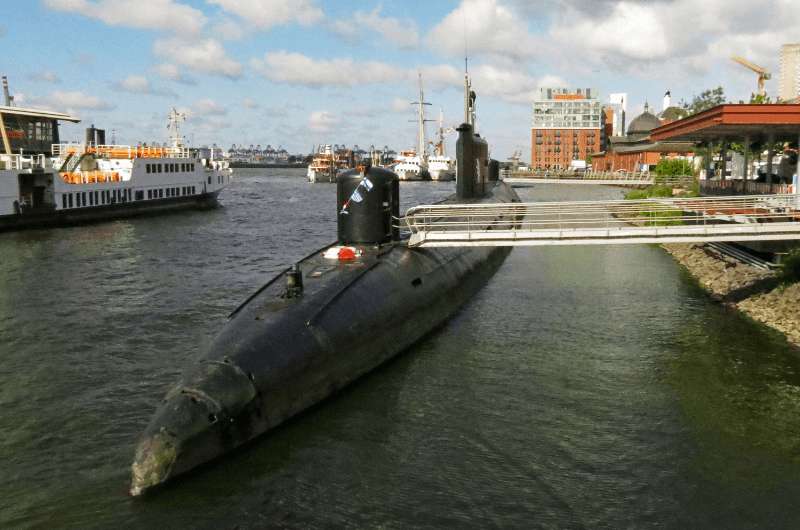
[(175, 118)]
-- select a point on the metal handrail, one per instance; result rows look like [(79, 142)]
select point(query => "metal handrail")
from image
[(587, 216)]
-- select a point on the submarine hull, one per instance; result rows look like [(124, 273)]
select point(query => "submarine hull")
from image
[(281, 353)]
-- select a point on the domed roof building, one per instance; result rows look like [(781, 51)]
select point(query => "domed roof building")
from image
[(635, 151), (642, 124)]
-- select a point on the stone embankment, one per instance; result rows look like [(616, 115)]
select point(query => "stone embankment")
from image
[(756, 292)]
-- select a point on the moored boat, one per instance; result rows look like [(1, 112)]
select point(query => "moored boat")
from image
[(44, 182)]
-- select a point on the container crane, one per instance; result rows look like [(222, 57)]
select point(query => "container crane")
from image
[(762, 72)]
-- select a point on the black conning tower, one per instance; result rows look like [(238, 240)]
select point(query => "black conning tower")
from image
[(472, 163), (368, 204)]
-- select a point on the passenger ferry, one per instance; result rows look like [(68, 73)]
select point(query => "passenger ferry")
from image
[(45, 183)]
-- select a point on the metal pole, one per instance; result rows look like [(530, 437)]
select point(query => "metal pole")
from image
[(770, 141), (723, 155), (746, 156)]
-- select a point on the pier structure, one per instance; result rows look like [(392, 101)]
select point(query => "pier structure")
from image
[(719, 126)]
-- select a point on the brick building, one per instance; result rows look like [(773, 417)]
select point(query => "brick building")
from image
[(567, 125)]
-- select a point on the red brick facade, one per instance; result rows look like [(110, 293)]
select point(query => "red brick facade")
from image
[(556, 148)]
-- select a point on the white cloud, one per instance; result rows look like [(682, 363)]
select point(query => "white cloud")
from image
[(205, 56), (402, 33), (69, 101), (45, 76), (139, 84), (250, 103), (166, 15), (322, 121), (207, 107), (173, 73), (487, 26), (265, 14), (299, 69)]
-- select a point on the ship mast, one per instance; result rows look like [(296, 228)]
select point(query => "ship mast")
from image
[(421, 121), (175, 118), (469, 97)]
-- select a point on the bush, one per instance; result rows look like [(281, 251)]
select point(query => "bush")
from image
[(673, 167), (790, 273), (648, 192)]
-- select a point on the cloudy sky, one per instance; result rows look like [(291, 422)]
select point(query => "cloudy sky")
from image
[(301, 72)]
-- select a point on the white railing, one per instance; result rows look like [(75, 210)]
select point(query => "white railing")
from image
[(18, 162), (755, 217), (635, 177)]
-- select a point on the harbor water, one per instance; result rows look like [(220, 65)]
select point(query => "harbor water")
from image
[(581, 388)]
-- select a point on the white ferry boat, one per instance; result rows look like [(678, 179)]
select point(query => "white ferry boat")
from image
[(441, 168), (410, 167), (44, 182)]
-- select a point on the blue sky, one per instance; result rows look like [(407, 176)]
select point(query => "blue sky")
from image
[(302, 72)]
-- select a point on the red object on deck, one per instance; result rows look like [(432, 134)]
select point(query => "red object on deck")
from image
[(347, 254)]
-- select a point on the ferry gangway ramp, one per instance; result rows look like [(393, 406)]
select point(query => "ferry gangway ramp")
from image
[(657, 220)]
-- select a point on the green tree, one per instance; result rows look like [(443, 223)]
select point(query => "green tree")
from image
[(759, 99), (705, 100)]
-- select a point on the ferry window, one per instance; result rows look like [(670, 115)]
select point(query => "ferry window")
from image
[(147, 168), (107, 196), (149, 194), (97, 197), (209, 180), (192, 166), (64, 201), (159, 167), (193, 192), (140, 195), (160, 194), (183, 167), (84, 198), (91, 199), (78, 200), (70, 200)]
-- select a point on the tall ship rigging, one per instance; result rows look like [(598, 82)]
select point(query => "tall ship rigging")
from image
[(413, 165), (45, 182)]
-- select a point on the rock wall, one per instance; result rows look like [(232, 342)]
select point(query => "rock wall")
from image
[(756, 292)]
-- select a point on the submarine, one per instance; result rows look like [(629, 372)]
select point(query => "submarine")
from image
[(326, 320)]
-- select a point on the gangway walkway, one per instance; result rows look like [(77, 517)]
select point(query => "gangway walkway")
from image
[(604, 178), (661, 220)]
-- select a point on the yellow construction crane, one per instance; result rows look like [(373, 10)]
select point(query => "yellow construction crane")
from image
[(762, 72)]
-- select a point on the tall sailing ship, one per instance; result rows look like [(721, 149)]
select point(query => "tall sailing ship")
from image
[(44, 182), (413, 165)]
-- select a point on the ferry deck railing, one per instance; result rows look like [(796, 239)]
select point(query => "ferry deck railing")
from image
[(119, 151), (668, 220), (20, 162)]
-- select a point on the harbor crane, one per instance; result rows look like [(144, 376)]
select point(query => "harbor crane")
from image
[(762, 72)]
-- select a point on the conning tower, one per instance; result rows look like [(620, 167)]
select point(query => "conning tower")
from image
[(473, 166), (368, 205)]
